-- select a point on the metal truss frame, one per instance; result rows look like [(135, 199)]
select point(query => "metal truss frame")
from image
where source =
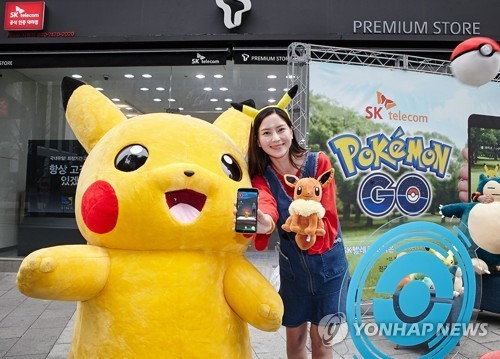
[(301, 54)]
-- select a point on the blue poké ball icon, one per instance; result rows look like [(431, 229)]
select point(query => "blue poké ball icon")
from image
[(422, 311)]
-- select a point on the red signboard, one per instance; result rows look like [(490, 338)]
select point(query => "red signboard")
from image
[(21, 16)]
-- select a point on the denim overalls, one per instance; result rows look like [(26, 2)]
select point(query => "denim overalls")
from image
[(311, 286)]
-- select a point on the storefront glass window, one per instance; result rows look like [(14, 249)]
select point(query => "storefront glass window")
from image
[(40, 157)]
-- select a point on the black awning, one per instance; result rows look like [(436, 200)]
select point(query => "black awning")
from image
[(167, 57)]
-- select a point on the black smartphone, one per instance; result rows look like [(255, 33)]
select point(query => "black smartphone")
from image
[(246, 210), (484, 144)]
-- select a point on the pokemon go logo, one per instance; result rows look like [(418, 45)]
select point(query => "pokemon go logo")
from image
[(391, 152), (379, 193)]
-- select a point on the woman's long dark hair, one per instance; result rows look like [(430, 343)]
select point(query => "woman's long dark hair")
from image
[(258, 160)]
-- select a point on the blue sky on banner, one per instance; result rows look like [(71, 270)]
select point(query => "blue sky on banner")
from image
[(443, 101)]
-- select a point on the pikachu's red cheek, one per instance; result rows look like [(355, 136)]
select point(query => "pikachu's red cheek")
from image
[(100, 207)]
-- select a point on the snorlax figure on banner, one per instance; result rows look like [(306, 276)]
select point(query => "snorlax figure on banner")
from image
[(480, 222)]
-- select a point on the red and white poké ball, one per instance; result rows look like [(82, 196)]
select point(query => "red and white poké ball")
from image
[(476, 61)]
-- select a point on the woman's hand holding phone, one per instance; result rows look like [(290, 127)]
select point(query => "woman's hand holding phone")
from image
[(265, 223)]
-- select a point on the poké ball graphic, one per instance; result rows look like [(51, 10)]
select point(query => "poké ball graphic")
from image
[(424, 314), (476, 61), (413, 194)]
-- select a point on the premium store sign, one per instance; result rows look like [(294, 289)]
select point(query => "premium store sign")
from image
[(23, 16), (416, 27)]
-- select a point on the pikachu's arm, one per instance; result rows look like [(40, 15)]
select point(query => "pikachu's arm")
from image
[(252, 297), (70, 272)]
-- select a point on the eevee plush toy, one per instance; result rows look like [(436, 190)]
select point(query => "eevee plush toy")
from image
[(163, 274), (306, 210)]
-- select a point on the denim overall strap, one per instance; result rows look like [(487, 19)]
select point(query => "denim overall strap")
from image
[(291, 256), (310, 165)]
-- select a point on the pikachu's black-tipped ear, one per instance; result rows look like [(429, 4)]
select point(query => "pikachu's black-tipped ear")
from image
[(239, 105), (250, 102), (90, 114), (293, 91), (287, 97), (68, 86)]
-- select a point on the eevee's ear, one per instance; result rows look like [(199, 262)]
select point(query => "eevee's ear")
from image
[(291, 180), (326, 178)]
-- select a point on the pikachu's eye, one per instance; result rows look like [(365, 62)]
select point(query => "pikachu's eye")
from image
[(231, 167), (131, 158)]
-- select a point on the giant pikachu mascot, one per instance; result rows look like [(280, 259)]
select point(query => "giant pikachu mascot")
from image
[(163, 274)]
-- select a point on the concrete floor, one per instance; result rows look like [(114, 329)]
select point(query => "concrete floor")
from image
[(33, 328)]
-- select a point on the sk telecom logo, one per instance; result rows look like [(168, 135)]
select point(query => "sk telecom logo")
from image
[(233, 10), (373, 112), (382, 100), (385, 103), (24, 15), (17, 12), (202, 60)]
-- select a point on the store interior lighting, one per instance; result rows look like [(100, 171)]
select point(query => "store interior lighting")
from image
[(199, 91)]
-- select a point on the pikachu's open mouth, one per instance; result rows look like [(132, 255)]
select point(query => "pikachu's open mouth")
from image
[(185, 205)]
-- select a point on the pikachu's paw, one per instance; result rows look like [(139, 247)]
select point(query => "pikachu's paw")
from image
[(32, 269), (271, 315)]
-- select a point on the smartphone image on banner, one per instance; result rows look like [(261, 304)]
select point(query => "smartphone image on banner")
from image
[(484, 148), (246, 210)]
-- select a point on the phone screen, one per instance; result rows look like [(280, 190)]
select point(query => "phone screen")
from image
[(246, 210), (484, 148)]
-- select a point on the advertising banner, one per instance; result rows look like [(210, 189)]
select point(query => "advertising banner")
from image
[(395, 137), (396, 141)]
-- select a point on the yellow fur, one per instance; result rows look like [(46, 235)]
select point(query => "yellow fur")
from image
[(154, 287), (237, 126)]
